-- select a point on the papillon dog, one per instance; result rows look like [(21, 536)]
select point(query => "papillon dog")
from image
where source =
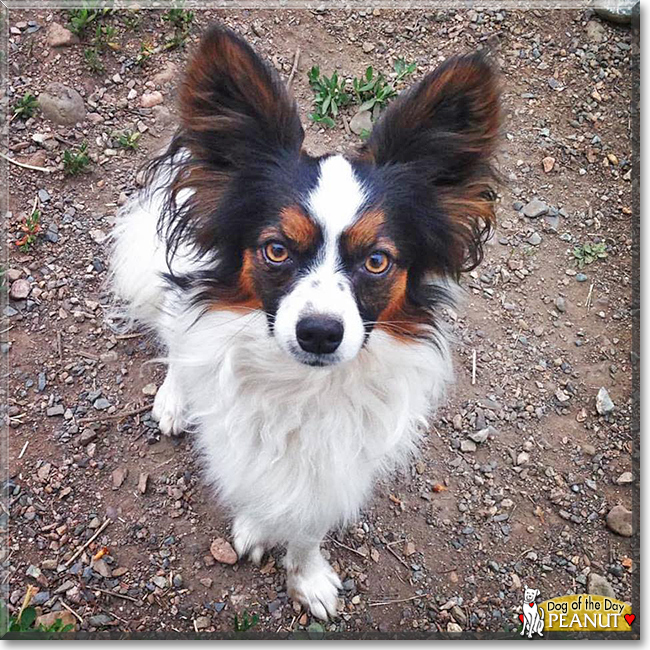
[(298, 298)]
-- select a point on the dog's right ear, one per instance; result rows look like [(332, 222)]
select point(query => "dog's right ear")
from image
[(234, 107)]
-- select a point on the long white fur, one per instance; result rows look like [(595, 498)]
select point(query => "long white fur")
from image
[(292, 450)]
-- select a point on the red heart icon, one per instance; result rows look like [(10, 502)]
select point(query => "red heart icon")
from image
[(630, 619), (521, 617), (530, 604)]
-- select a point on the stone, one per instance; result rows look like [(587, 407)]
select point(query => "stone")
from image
[(596, 32), (368, 47), (457, 421), (160, 582), (87, 436), (625, 478), (535, 208), (143, 480), (535, 239), (101, 404), (162, 115), (118, 476), (59, 36), (151, 99), (201, 622), (361, 122), (223, 552), (560, 304), (49, 619), (98, 236), (55, 410), (599, 586), (467, 446), (20, 289), (150, 389), (482, 435), (548, 163), (523, 458), (619, 520), (61, 104), (167, 74), (454, 627), (604, 404)]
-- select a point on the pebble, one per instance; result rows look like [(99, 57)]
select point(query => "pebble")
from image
[(361, 122), (535, 239), (149, 100), (87, 436), (61, 104), (167, 74), (202, 622), (468, 446), (142, 482), (581, 277), (457, 422), (482, 435), (150, 389), (619, 520), (368, 47), (599, 586), (49, 619), (560, 304), (20, 289), (160, 581), (535, 208), (625, 478), (101, 404), (523, 458), (55, 410), (604, 404), (548, 163), (118, 476), (99, 620), (59, 36), (223, 552)]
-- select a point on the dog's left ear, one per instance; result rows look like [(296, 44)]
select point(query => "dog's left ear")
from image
[(445, 130)]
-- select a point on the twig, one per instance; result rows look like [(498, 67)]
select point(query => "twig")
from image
[(347, 548), (591, 290), (135, 335), (88, 543), (397, 557), (295, 66), (4, 331), (19, 164), (116, 416), (26, 600), (59, 345), (397, 600), (346, 126), (117, 595), (119, 618), (72, 611), (473, 367), (23, 450)]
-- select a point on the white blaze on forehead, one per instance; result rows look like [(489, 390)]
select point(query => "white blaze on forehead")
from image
[(337, 198)]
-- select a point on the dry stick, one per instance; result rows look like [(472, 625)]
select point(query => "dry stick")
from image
[(473, 367), (116, 416), (135, 335), (397, 557), (31, 590), (72, 611), (4, 331), (59, 345), (591, 290), (114, 593), (19, 164), (23, 450), (295, 67), (106, 611), (347, 548), (88, 543), (398, 600)]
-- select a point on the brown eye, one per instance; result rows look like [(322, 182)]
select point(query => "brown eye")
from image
[(276, 253), (377, 262)]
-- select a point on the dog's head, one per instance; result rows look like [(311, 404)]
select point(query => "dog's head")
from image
[(530, 594), (331, 247)]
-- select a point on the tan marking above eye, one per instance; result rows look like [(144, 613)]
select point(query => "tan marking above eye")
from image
[(377, 262), (276, 252)]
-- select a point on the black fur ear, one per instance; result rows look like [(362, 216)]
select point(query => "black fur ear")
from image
[(233, 105), (444, 131)]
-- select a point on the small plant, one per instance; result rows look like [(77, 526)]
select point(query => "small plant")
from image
[(24, 623), (177, 40), (128, 140), (246, 622), (93, 60), (80, 19), (105, 37), (76, 162), (330, 95), (373, 90), (31, 227), (589, 253), (180, 18), (131, 20), (146, 50), (26, 106)]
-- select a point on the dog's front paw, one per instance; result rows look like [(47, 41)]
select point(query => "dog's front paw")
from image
[(246, 540), (168, 409), (315, 586)]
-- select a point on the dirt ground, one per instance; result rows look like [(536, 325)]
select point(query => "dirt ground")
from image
[(446, 547)]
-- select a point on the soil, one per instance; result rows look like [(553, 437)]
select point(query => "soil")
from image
[(445, 547)]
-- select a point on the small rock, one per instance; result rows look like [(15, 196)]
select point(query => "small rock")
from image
[(483, 434), (604, 404), (409, 549), (457, 421), (55, 410), (581, 277), (20, 289), (560, 304), (99, 620), (98, 236), (599, 586), (59, 36), (61, 104), (49, 619), (223, 552), (548, 163), (149, 100), (535, 208), (619, 520), (535, 239), (87, 436), (368, 47), (361, 122), (142, 482), (625, 478), (101, 404), (467, 446), (523, 458), (119, 476), (206, 582), (150, 389), (202, 622), (167, 74), (453, 627), (43, 472), (160, 581)]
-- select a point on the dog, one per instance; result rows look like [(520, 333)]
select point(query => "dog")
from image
[(299, 298), (533, 615)]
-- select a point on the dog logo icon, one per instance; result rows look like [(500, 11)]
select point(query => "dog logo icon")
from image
[(533, 616)]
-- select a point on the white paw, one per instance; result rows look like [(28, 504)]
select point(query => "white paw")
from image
[(247, 541), (168, 409), (315, 586)]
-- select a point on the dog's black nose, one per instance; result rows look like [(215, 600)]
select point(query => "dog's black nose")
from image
[(319, 334)]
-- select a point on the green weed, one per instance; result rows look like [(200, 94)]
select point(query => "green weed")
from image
[(93, 60), (371, 90), (246, 623), (128, 139), (31, 227), (24, 623), (76, 162), (26, 106), (589, 253), (330, 95)]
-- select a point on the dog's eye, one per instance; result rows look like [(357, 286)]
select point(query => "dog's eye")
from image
[(377, 262), (276, 253)]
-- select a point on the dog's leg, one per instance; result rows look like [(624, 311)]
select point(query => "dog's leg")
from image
[(168, 405), (523, 627), (247, 539), (311, 580)]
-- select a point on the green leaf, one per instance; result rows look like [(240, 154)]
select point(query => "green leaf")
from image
[(367, 105), (28, 617)]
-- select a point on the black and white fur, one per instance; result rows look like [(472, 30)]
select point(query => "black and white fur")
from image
[(293, 439)]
